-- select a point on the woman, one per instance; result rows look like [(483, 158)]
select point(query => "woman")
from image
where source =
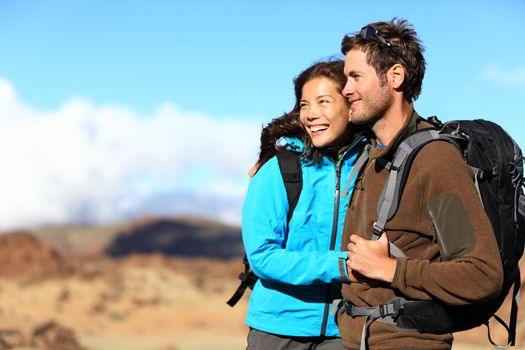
[(299, 263)]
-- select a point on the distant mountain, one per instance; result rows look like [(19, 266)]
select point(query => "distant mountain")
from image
[(176, 237), (180, 236)]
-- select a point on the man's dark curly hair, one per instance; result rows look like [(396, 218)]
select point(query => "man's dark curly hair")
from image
[(400, 33)]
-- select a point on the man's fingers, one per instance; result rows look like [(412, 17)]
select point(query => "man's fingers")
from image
[(356, 239)]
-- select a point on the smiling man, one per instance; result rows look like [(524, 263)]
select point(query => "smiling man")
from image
[(458, 266)]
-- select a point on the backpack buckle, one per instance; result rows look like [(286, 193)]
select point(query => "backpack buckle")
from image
[(348, 306), (377, 231), (383, 310)]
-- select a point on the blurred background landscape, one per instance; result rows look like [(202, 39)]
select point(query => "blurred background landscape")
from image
[(151, 284), (126, 132), (148, 284)]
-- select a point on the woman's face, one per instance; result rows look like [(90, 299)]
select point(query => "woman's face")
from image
[(324, 113)]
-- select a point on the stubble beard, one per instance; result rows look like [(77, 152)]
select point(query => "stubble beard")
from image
[(375, 108)]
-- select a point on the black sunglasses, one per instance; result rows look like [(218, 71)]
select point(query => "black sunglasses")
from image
[(370, 33)]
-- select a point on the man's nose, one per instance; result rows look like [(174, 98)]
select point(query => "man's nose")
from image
[(348, 90)]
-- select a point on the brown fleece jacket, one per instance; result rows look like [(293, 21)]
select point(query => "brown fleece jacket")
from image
[(451, 253)]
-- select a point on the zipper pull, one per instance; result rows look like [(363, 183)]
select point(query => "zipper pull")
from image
[(338, 167)]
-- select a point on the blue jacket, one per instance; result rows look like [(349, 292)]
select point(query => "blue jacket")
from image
[(300, 265)]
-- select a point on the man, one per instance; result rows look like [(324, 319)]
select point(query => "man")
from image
[(451, 257)]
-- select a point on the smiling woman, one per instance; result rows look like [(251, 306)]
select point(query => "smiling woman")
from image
[(299, 262)]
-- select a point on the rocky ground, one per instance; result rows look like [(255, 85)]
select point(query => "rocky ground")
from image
[(50, 300), (152, 302)]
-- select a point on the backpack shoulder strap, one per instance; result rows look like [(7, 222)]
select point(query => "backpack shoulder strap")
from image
[(398, 172), (356, 169), (247, 278), (290, 166)]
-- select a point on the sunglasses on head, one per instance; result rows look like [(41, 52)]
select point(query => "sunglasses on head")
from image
[(370, 33)]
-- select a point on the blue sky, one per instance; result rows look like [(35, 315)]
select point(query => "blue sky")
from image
[(115, 109)]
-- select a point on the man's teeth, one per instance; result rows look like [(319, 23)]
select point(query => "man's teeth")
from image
[(318, 128)]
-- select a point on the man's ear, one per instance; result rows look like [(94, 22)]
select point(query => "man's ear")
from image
[(396, 75)]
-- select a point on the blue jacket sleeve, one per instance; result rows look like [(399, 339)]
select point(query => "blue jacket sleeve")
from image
[(264, 231)]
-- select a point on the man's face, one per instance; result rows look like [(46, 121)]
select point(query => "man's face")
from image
[(324, 113), (369, 100)]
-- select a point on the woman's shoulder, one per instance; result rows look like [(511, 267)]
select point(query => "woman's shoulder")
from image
[(268, 166)]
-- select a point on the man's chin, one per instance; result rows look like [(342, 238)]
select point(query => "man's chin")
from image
[(365, 119), (357, 121)]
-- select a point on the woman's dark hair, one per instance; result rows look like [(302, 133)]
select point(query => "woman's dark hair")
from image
[(286, 125), (333, 70), (408, 51)]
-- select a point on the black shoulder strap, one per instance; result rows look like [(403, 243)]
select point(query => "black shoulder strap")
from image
[(247, 278), (290, 166)]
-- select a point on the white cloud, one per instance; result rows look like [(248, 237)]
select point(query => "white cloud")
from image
[(89, 163), (508, 77)]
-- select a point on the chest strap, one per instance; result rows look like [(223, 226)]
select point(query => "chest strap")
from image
[(408, 315)]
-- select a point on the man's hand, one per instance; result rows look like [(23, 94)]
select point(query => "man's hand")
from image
[(370, 258)]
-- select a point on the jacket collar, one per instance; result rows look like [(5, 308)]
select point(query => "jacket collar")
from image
[(290, 143), (411, 124)]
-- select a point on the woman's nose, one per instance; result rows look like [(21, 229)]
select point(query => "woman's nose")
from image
[(313, 113)]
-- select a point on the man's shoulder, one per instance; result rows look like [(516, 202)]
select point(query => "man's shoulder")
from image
[(439, 159), (439, 151)]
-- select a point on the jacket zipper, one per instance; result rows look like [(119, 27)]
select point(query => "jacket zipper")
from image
[(438, 237), (333, 239), (335, 221)]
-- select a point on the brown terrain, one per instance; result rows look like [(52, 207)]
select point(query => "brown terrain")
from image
[(151, 284)]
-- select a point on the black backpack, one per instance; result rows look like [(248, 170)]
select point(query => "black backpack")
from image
[(497, 162), (289, 164)]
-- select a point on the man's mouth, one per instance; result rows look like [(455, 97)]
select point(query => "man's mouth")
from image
[(354, 103)]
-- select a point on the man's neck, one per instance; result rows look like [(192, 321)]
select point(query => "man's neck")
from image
[(389, 125)]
